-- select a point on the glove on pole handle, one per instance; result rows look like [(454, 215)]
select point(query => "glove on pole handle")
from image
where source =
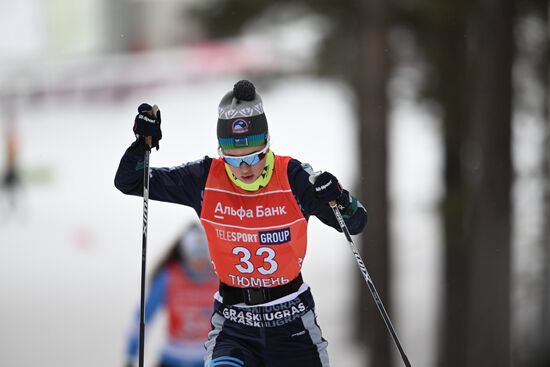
[(148, 142), (369, 281)]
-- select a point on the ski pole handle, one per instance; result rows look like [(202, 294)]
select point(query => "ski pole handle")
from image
[(152, 114)]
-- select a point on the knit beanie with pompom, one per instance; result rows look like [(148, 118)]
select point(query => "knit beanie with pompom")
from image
[(241, 118)]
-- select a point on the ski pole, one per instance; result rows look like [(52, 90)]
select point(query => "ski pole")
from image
[(143, 253), (370, 283), (148, 143)]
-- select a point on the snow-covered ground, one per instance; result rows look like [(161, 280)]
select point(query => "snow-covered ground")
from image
[(70, 254)]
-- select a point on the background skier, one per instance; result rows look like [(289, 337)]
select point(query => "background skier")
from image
[(183, 285)]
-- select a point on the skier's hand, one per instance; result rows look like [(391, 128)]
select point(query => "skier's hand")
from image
[(327, 188), (147, 125)]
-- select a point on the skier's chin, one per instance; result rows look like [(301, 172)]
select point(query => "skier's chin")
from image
[(248, 178)]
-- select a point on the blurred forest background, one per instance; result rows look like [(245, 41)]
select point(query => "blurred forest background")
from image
[(479, 68)]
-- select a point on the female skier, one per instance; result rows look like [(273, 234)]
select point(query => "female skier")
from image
[(183, 285), (254, 206)]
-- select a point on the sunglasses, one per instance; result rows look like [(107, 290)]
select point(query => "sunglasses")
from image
[(249, 159)]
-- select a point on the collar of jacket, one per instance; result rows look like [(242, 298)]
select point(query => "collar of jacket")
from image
[(261, 181)]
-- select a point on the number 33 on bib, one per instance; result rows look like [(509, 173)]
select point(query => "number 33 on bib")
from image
[(255, 239)]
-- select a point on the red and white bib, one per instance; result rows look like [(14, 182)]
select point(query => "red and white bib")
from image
[(189, 305), (256, 239)]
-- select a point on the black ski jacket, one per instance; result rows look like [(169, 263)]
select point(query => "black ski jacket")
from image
[(185, 184)]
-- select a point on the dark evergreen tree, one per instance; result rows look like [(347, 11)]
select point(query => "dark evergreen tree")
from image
[(489, 336), (374, 61)]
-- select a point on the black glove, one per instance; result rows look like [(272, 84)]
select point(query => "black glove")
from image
[(327, 188), (147, 123)]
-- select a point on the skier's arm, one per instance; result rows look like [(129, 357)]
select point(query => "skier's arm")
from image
[(353, 212), (182, 184), (156, 299)]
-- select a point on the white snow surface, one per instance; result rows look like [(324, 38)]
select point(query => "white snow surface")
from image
[(70, 255)]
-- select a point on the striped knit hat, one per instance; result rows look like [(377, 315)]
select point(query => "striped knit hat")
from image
[(241, 118)]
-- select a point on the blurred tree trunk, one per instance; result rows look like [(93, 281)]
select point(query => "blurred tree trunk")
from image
[(373, 70), (488, 342), (447, 52), (542, 357), (544, 72), (456, 201)]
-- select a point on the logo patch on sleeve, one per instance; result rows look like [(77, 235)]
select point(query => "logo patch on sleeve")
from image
[(275, 237)]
